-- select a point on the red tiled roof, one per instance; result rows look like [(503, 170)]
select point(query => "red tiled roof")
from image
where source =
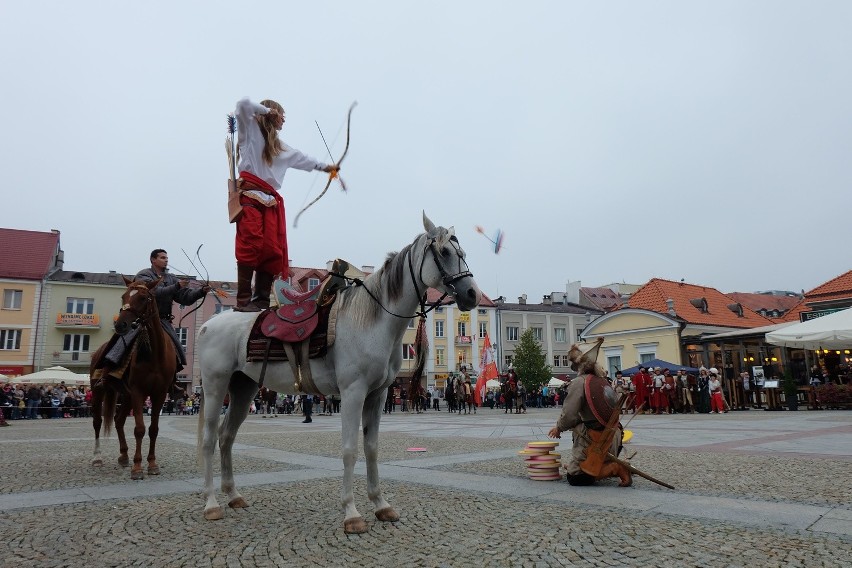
[(793, 314), (603, 298), (839, 287), (768, 302), (653, 295), (28, 255), (433, 295)]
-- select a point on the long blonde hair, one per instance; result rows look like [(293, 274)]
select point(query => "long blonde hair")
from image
[(273, 145)]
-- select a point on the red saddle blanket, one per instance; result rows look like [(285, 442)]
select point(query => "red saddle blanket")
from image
[(290, 323)]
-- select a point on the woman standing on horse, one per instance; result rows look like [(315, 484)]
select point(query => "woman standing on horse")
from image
[(261, 243)]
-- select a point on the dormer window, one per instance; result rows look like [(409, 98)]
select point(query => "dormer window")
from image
[(736, 308), (700, 304)]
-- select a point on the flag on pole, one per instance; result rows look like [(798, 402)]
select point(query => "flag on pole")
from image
[(487, 371)]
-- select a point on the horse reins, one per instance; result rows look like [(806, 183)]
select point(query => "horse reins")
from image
[(446, 278)]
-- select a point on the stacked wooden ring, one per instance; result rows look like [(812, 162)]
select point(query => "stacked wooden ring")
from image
[(541, 461)]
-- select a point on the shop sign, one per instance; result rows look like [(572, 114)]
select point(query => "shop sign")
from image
[(464, 316), (13, 371), (78, 319), (807, 316)]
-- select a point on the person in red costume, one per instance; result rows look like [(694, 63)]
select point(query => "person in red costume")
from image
[(640, 380), (261, 242)]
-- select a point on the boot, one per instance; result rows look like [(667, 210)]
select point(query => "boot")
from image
[(615, 469), (244, 304), (262, 289)]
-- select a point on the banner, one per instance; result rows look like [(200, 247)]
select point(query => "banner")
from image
[(487, 371)]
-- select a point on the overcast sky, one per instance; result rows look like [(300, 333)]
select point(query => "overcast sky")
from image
[(611, 142)]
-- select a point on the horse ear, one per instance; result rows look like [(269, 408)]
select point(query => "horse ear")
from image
[(427, 224), (154, 283), (127, 281)]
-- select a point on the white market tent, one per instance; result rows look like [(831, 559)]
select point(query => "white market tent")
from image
[(555, 383), (492, 384), (52, 376), (833, 331)]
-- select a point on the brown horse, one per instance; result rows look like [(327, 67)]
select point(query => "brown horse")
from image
[(150, 372)]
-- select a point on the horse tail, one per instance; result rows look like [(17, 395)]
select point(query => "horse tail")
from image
[(200, 438), (109, 402)]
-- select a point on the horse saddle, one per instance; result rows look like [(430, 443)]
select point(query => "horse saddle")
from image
[(294, 321)]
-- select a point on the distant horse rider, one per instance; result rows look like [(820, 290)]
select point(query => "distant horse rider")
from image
[(170, 289)]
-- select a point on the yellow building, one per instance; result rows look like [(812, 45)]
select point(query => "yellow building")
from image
[(80, 309), (26, 259)]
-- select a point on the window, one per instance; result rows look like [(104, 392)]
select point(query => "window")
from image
[(462, 358), (556, 361), (579, 331), (439, 328), (483, 329), (613, 364), (411, 323), (645, 357), (408, 353), (313, 283), (507, 361), (462, 329), (565, 361), (439, 310), (222, 308), (181, 335), (480, 312), (12, 299), (10, 339), (440, 357), (559, 335), (80, 306), (511, 333), (537, 333), (76, 342)]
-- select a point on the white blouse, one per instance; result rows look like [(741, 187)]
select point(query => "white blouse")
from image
[(251, 141)]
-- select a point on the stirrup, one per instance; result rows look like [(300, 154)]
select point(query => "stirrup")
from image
[(250, 307)]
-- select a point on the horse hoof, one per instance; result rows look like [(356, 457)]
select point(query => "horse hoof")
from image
[(97, 462), (387, 515), (137, 475), (238, 503), (123, 461), (356, 525), (214, 514), (154, 470)]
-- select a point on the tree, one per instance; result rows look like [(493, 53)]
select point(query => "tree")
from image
[(530, 362)]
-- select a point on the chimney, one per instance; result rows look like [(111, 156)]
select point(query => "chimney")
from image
[(546, 300), (522, 299), (670, 307), (572, 292), (368, 268), (329, 264)]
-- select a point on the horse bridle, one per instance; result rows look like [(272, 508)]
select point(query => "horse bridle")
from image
[(447, 279), (149, 300)]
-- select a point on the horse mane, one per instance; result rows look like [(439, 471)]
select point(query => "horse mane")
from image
[(387, 281)]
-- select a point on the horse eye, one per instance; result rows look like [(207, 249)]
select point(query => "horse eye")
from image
[(445, 252)]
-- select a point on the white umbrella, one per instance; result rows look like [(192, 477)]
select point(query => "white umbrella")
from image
[(833, 331), (555, 383), (492, 384), (51, 376)]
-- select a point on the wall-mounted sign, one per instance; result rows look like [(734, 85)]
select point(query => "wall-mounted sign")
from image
[(464, 316), (814, 314), (78, 319)]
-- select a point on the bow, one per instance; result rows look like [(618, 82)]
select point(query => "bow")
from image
[(334, 172)]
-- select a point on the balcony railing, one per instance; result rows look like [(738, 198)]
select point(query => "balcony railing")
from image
[(72, 357), (463, 340)]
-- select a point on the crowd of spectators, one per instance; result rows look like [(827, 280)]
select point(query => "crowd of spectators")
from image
[(32, 402)]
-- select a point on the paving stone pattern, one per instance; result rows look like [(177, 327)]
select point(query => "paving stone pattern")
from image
[(753, 489)]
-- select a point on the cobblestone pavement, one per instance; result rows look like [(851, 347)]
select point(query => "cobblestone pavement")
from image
[(753, 489)]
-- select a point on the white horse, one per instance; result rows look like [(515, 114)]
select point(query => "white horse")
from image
[(359, 366)]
